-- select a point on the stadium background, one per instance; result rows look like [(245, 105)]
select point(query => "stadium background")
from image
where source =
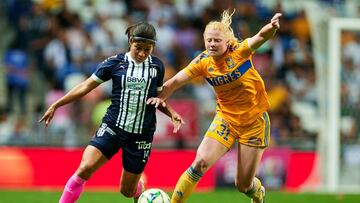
[(47, 46)]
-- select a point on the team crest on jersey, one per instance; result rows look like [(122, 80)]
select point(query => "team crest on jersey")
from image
[(229, 62), (153, 72)]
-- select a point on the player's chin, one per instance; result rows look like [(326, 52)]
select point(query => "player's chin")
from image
[(211, 53), (140, 60), (214, 53)]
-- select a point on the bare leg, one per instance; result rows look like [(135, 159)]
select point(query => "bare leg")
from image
[(131, 185), (209, 151), (248, 162), (92, 160)]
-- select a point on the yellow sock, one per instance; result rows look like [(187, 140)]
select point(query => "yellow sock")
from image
[(255, 192), (185, 185)]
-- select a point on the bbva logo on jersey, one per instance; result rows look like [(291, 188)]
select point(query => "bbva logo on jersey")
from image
[(135, 79)]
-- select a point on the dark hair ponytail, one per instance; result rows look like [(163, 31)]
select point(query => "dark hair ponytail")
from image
[(142, 31)]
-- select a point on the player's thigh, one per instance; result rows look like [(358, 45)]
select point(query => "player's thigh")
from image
[(221, 131), (209, 151), (248, 161), (129, 180), (92, 159), (252, 141)]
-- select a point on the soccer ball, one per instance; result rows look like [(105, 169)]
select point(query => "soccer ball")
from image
[(154, 195)]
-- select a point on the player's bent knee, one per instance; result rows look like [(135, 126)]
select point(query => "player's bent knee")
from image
[(85, 171), (201, 165)]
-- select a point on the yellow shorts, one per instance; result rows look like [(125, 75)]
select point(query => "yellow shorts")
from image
[(256, 134)]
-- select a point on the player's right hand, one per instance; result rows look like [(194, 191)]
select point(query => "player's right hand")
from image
[(49, 114)]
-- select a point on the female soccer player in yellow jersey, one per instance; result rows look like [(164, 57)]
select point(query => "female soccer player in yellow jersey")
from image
[(241, 106)]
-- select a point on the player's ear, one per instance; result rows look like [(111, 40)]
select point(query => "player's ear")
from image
[(130, 41)]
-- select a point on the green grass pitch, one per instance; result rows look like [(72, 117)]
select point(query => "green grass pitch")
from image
[(217, 196)]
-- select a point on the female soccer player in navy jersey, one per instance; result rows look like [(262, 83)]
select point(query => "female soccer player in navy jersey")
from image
[(129, 122)]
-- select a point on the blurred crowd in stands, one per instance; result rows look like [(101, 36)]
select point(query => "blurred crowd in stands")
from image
[(55, 44)]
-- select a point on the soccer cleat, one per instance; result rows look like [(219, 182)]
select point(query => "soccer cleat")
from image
[(141, 181), (262, 196)]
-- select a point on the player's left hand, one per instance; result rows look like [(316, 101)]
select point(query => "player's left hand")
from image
[(177, 121), (275, 20), (156, 101)]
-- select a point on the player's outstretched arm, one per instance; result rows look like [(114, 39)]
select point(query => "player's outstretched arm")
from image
[(265, 32), (180, 79), (174, 83), (74, 94)]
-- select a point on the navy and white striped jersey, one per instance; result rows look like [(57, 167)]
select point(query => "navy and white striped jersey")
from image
[(132, 85)]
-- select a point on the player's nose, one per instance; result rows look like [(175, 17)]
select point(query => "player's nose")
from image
[(142, 54)]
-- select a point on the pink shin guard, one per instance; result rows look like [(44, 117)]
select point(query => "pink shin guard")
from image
[(139, 189), (72, 190)]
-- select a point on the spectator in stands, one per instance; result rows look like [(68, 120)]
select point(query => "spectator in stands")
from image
[(17, 66)]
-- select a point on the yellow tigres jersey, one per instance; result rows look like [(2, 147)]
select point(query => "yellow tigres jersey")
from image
[(240, 91)]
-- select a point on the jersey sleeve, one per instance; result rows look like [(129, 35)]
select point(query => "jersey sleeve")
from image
[(194, 69), (104, 70), (243, 49)]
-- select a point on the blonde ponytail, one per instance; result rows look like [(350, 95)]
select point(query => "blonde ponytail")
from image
[(224, 25)]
